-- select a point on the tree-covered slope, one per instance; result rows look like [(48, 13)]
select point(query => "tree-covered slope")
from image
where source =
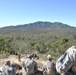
[(44, 37)]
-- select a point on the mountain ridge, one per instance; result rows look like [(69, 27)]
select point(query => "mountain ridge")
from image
[(41, 24)]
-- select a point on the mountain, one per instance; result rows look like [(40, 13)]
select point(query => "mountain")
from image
[(40, 24), (37, 26)]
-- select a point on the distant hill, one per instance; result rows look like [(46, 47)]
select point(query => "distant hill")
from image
[(40, 24)]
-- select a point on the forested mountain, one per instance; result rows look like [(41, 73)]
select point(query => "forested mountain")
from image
[(40, 24), (43, 37)]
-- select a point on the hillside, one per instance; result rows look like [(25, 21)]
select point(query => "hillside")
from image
[(43, 37)]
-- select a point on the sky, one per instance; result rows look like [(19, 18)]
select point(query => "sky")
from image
[(18, 12)]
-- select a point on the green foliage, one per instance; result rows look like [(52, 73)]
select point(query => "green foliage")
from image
[(39, 46), (4, 45)]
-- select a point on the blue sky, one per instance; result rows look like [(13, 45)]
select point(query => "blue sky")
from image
[(15, 12)]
